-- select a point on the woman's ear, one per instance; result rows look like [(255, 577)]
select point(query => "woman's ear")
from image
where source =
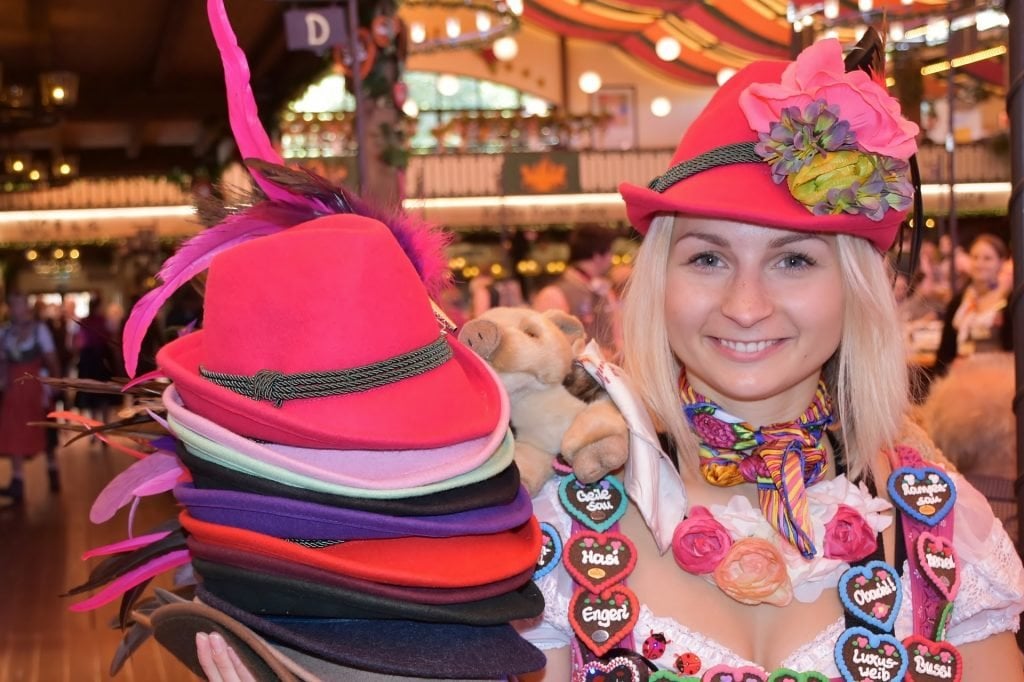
[(571, 327)]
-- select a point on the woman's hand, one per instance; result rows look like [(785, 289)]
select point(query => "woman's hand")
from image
[(219, 661)]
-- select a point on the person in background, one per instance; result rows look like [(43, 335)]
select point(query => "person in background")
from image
[(26, 353), (585, 291), (94, 344), (976, 319)]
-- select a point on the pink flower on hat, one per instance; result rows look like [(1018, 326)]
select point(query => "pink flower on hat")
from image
[(819, 74)]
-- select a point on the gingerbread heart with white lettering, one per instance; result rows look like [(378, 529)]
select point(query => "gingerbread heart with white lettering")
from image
[(727, 673), (596, 505), (550, 550), (926, 494), (618, 669), (787, 675), (872, 592), (939, 563), (602, 621), (863, 655), (932, 661), (599, 560)]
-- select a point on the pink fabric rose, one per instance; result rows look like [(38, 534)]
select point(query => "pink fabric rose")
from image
[(754, 572), (714, 432), (848, 537), (818, 73), (700, 542)]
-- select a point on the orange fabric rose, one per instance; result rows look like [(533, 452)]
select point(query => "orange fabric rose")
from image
[(754, 572)]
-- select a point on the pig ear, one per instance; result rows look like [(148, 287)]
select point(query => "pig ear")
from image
[(570, 326)]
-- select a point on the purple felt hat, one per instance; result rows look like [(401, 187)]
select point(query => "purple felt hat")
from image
[(370, 469), (286, 518)]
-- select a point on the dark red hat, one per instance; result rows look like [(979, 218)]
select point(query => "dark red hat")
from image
[(323, 336), (422, 562), (723, 166)]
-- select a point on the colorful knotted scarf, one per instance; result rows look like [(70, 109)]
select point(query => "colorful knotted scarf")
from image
[(781, 458)]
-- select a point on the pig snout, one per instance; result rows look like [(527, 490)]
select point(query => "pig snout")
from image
[(483, 336)]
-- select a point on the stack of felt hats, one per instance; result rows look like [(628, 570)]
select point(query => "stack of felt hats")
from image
[(353, 495)]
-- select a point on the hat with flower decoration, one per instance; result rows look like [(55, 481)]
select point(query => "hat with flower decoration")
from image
[(803, 145)]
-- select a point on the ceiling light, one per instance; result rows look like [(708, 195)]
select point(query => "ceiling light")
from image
[(447, 85), (668, 49), (590, 82), (505, 49), (724, 74), (661, 107)]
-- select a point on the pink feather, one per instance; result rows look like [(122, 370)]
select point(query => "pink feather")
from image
[(125, 545), (143, 378), (153, 474), (249, 134), (76, 418), (194, 256), (132, 578)]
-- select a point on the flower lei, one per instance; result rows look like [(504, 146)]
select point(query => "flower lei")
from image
[(737, 549), (837, 138)]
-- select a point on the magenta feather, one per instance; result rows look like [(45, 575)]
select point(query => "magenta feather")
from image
[(128, 545), (248, 132), (153, 474), (132, 578), (194, 256), (144, 378)]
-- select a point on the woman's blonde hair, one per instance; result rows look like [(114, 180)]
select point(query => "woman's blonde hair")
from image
[(867, 376)]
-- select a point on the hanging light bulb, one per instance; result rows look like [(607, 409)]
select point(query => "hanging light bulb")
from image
[(831, 9), (896, 31), (452, 27), (590, 82), (447, 84), (505, 49), (865, 5), (483, 22), (667, 49), (417, 32), (515, 6), (410, 108), (661, 107)]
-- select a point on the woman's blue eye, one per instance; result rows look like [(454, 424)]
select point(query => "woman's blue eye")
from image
[(705, 260), (796, 260)]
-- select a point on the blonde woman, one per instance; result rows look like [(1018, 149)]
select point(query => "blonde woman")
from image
[(762, 334)]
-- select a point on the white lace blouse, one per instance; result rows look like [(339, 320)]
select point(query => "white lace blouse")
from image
[(990, 598)]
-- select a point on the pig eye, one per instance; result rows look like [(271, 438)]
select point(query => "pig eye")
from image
[(531, 332)]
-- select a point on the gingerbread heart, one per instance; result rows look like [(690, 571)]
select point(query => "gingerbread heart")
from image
[(926, 494), (872, 592), (939, 563), (602, 621), (932, 661), (787, 675), (596, 505), (550, 550), (863, 655), (599, 560), (727, 673), (618, 669), (943, 620)]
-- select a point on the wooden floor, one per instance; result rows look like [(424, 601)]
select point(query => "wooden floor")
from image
[(41, 543)]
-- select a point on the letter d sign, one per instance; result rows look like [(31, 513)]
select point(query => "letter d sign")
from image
[(315, 29)]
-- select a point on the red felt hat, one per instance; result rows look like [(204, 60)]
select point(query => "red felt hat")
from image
[(323, 336), (416, 562), (737, 184)]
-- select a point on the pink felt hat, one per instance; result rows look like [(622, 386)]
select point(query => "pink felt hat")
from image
[(323, 336), (715, 172), (377, 469)]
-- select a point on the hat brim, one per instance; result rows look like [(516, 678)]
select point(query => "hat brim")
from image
[(421, 595), (401, 647), (203, 447), (745, 193), (418, 562), (458, 401), (501, 488), (268, 594), (284, 518)]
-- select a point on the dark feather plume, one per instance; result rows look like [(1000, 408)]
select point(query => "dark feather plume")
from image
[(110, 568), (135, 637), (128, 600), (868, 55)]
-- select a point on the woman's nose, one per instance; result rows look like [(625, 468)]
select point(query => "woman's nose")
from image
[(746, 300)]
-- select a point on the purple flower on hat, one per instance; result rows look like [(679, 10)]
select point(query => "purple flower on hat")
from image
[(797, 137)]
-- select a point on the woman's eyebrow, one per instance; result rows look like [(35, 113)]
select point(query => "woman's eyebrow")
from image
[(791, 239), (709, 237)]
